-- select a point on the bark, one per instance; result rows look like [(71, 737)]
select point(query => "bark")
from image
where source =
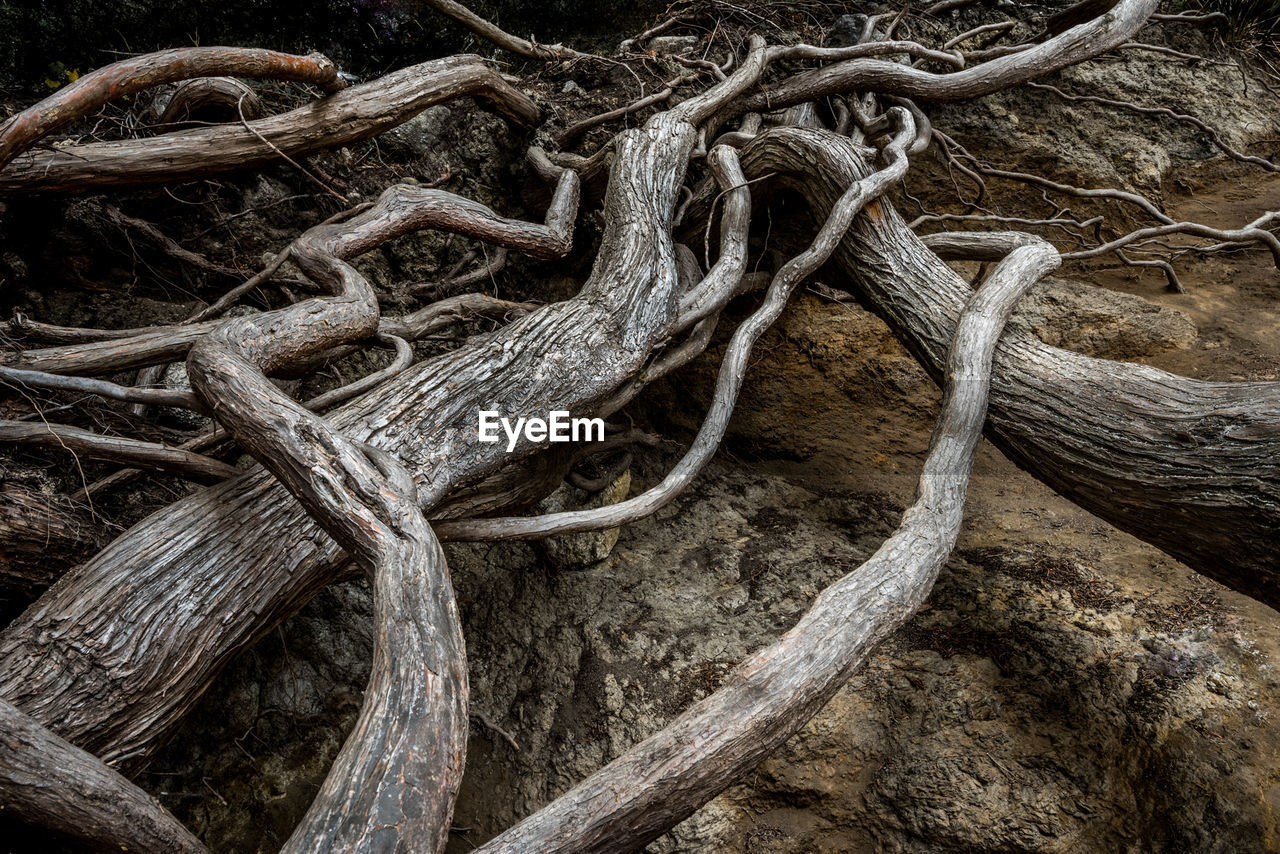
[(353, 114), (393, 784), (133, 75), (49, 783), (218, 99), (661, 781), (734, 368), (117, 449), (39, 534), (400, 210), (152, 626), (887, 78), (1186, 465)]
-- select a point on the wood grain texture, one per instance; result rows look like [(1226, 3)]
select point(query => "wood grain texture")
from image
[(393, 784), (353, 114), (49, 783), (1187, 465), (138, 73), (662, 780)]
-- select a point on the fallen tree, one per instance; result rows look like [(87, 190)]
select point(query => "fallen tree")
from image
[(115, 653)]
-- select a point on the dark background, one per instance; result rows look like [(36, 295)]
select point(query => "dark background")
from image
[(44, 40)]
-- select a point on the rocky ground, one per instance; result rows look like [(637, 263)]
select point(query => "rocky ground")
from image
[(1067, 687)]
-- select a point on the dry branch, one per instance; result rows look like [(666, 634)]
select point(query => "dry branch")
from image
[(101, 388), (395, 780), (353, 114), (132, 75), (493, 33), (133, 452), (1069, 48)]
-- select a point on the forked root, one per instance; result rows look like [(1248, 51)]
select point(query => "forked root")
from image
[(658, 783)]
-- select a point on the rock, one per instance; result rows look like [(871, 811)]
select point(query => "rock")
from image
[(570, 87), (421, 135), (574, 551), (1101, 322), (672, 44), (846, 31), (175, 379), (1094, 146)]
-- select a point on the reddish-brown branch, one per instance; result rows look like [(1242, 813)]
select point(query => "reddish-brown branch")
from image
[(132, 75), (350, 115)]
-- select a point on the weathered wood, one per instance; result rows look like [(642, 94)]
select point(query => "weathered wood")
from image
[(733, 370), (353, 114), (1187, 465), (133, 75), (662, 780), (117, 449), (888, 78), (40, 535), (394, 783), (201, 595), (51, 784)]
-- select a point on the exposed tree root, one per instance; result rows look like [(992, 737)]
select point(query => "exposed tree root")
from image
[(122, 646), (561, 357), (116, 449), (352, 114), (732, 372), (659, 782), (52, 784), (129, 76), (39, 535), (394, 782), (1132, 444)]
